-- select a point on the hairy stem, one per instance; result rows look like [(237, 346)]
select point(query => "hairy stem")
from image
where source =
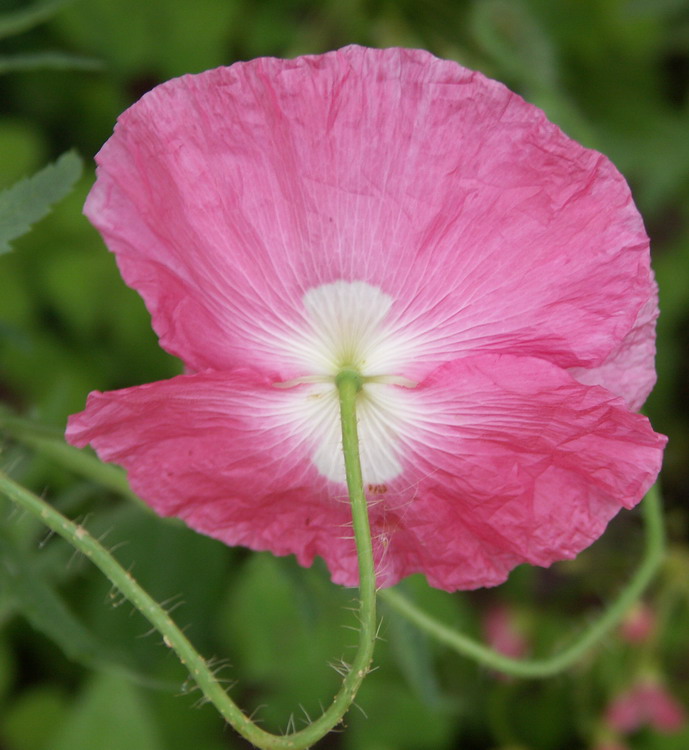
[(110, 476), (50, 443), (535, 668), (348, 387)]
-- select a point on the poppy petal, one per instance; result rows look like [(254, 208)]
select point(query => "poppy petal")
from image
[(514, 462), (211, 448), (229, 194), (500, 460)]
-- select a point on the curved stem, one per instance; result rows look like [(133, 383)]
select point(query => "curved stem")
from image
[(90, 466), (77, 536), (653, 557), (50, 443)]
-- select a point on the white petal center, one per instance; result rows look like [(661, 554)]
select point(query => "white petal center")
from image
[(345, 327)]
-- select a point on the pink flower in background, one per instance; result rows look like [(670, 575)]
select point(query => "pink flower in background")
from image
[(638, 624), (646, 703), (501, 631), (396, 213)]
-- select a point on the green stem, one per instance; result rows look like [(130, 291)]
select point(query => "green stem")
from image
[(653, 557), (348, 386), (51, 444), (113, 478)]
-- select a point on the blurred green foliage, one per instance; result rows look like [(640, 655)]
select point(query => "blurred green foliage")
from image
[(615, 75)]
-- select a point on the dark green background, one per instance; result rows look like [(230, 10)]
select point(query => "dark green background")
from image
[(615, 75)]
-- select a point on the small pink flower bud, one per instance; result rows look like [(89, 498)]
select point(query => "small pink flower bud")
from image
[(639, 623), (502, 633)]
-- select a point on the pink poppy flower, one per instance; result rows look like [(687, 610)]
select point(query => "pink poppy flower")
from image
[(502, 632), (646, 703), (639, 624), (397, 213)]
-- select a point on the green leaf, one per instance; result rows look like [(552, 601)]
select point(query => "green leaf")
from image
[(414, 657), (38, 601), (111, 714), (525, 56), (47, 60), (282, 650), (511, 35), (31, 199), (50, 442), (22, 150), (7, 669), (29, 723), (40, 604), (26, 18), (156, 36), (393, 718)]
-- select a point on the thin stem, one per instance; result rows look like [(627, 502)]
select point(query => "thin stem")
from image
[(114, 478), (77, 536), (51, 444), (652, 559), (348, 385)]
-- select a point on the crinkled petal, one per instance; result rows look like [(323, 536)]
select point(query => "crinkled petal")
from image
[(515, 462), (509, 460), (229, 194), (214, 450), (629, 370)]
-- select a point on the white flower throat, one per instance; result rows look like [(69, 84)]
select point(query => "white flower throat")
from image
[(346, 328)]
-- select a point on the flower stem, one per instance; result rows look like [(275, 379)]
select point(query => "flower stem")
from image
[(535, 668), (77, 536), (348, 385), (112, 477), (51, 444)]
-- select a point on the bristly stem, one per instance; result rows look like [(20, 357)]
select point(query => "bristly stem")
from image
[(90, 466), (51, 443), (545, 667), (348, 385)]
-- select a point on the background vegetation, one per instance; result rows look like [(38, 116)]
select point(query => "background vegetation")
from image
[(77, 670)]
